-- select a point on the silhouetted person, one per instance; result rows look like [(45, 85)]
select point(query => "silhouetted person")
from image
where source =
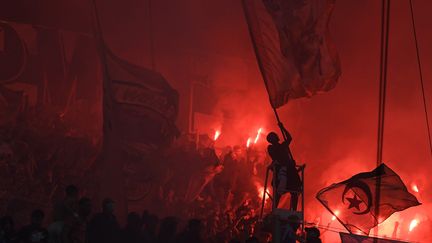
[(65, 210), (167, 231), (103, 228), (226, 180), (145, 217), (287, 177), (68, 205), (150, 224), (236, 177), (7, 229), (34, 232), (313, 235), (75, 228), (132, 232), (192, 233)]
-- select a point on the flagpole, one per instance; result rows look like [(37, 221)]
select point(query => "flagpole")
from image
[(111, 170), (385, 26), (261, 67), (342, 223), (277, 226)]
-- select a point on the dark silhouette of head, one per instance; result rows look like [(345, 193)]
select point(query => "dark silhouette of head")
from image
[(294, 222), (312, 233), (273, 138), (37, 217), (72, 192), (108, 206)]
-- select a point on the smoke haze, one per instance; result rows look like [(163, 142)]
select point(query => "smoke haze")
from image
[(334, 133)]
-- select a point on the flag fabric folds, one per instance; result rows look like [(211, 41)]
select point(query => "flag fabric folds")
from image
[(140, 106), (353, 201), (139, 112), (351, 238), (53, 14), (293, 47)]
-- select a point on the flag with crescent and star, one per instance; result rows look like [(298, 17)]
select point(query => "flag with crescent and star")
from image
[(353, 201)]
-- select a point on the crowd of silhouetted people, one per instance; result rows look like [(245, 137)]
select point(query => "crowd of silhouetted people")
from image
[(73, 221)]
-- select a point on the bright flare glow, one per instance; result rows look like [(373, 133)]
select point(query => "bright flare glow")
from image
[(216, 135), (335, 214), (415, 188), (258, 135), (261, 192), (260, 189), (248, 142), (414, 223)]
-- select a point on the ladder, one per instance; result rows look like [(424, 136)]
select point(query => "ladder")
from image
[(280, 212)]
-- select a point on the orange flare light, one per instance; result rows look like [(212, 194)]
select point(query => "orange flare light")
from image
[(248, 142), (261, 192), (258, 135), (414, 223), (335, 214), (415, 188), (260, 189), (216, 135)]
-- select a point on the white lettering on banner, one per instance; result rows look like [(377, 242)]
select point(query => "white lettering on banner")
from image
[(135, 95)]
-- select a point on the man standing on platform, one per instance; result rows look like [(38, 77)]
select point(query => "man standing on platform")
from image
[(285, 171)]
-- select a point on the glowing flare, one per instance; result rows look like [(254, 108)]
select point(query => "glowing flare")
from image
[(216, 135), (261, 192), (414, 223), (260, 189), (335, 214), (258, 135), (415, 188), (248, 142)]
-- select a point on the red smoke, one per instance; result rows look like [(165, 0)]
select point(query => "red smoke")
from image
[(334, 133)]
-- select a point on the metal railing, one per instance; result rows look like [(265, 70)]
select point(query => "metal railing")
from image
[(301, 170)]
